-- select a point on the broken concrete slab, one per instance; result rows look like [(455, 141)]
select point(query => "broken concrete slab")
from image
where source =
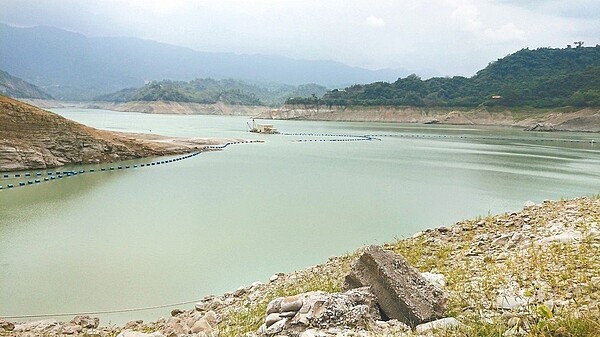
[(402, 293)]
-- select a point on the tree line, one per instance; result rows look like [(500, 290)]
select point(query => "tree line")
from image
[(541, 78)]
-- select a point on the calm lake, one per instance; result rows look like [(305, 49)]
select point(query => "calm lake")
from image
[(211, 223)]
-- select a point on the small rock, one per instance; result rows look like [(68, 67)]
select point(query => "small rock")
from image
[(132, 324), (509, 302), (86, 322), (130, 333), (205, 325), (437, 280), (272, 319), (95, 333), (440, 324), (176, 312), (277, 326), (274, 278), (417, 235), (6, 325), (239, 292), (201, 307), (274, 306), (71, 329), (288, 314), (565, 237), (291, 303), (501, 240), (528, 204), (37, 326)]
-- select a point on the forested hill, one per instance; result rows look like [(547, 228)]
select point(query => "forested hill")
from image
[(210, 91), (544, 77), (17, 88)]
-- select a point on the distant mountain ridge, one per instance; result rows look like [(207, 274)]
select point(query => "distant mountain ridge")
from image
[(17, 88), (211, 91), (72, 66)]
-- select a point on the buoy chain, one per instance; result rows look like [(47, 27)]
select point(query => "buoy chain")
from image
[(57, 175)]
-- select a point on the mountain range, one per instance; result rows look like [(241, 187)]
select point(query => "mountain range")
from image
[(72, 66), (18, 88)]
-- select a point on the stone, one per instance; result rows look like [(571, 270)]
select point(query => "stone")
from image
[(440, 324), (509, 302), (402, 293), (355, 308), (277, 326), (132, 324), (206, 325), (176, 312), (565, 237), (6, 325), (71, 329), (86, 322), (95, 333), (291, 303), (528, 204), (272, 319), (174, 327), (201, 306), (131, 333), (37, 326), (274, 278), (437, 280), (274, 305)]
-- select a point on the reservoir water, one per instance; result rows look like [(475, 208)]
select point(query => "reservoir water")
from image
[(211, 223)]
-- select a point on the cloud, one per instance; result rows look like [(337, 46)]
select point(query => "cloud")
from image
[(508, 32), (375, 22), (468, 18)]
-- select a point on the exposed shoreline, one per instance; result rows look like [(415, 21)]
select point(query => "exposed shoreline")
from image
[(33, 138), (557, 119)]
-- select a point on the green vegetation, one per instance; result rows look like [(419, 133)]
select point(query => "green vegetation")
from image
[(540, 78), (210, 91)]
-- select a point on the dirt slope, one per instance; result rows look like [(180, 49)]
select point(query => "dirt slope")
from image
[(32, 138)]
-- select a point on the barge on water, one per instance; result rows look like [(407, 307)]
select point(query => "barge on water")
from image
[(262, 128)]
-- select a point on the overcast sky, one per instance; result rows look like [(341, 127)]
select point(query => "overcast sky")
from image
[(448, 37)]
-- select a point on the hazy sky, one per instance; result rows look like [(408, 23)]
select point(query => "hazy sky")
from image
[(452, 37)]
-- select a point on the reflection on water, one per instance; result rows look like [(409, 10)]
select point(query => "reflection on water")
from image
[(211, 223)]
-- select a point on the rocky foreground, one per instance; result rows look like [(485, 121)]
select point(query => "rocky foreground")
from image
[(32, 138), (534, 273)]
